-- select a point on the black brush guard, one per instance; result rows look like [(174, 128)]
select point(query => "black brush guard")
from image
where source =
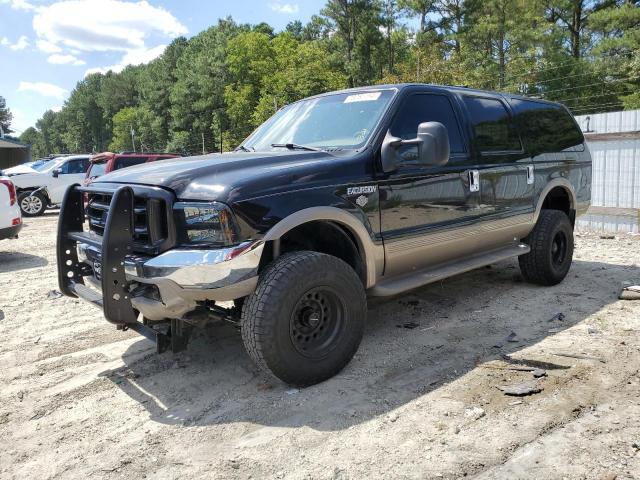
[(115, 244)]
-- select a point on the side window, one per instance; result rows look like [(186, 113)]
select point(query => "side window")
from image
[(124, 162), (420, 108), (73, 166), (494, 131), (546, 127)]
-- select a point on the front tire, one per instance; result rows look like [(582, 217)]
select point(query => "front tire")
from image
[(32, 204), (551, 254), (305, 320)]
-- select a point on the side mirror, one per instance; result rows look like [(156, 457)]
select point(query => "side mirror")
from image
[(432, 142), (56, 172)]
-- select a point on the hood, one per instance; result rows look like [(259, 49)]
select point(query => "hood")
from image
[(238, 175), (18, 170)]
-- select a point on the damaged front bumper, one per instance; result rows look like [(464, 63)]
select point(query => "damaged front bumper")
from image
[(108, 272)]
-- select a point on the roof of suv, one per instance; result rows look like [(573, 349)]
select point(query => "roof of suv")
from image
[(453, 88)]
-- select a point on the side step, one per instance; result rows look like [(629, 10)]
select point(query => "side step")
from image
[(402, 283)]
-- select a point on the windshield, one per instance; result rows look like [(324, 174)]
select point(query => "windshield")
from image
[(97, 170), (342, 120), (49, 166)]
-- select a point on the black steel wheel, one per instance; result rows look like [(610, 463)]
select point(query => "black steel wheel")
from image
[(316, 322), (305, 320), (551, 254)]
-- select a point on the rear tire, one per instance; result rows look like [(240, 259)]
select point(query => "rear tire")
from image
[(32, 204), (305, 320), (551, 243)]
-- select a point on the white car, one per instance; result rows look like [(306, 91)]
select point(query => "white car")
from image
[(10, 219), (44, 187)]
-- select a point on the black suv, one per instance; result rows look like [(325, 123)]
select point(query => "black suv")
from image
[(365, 192)]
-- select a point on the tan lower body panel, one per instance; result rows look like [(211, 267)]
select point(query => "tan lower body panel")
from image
[(417, 253)]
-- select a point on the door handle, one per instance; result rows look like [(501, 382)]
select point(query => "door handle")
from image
[(531, 177), (474, 181)]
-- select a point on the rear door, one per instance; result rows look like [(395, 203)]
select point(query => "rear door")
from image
[(504, 169), (421, 207)]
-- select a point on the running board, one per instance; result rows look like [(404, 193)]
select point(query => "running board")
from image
[(402, 283)]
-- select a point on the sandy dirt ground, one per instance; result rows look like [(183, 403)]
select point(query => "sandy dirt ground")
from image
[(79, 399)]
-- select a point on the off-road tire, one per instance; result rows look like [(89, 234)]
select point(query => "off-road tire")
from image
[(29, 212), (269, 317), (545, 264)]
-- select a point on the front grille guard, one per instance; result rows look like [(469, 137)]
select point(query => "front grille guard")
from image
[(115, 245)]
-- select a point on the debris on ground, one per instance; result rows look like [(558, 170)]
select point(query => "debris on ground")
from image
[(607, 237), (513, 338), (409, 325), (578, 356), (539, 373), (629, 291), (292, 391), (592, 331), (520, 389), (558, 316), (53, 294), (474, 412)]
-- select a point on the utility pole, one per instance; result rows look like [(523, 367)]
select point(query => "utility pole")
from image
[(203, 152), (133, 138)]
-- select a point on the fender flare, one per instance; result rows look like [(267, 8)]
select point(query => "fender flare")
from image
[(373, 255), (556, 182)]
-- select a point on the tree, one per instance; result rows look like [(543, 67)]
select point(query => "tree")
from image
[(33, 137), (5, 116)]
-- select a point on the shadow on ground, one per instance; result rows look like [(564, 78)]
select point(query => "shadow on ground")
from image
[(460, 323), (14, 261)]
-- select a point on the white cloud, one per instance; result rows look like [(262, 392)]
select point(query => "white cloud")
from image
[(42, 88), (103, 25), (47, 47), (19, 4), (132, 57), (287, 8), (21, 44), (58, 59)]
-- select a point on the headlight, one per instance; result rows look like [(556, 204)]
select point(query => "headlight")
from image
[(205, 224)]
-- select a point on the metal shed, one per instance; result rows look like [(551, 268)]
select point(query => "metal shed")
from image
[(614, 141)]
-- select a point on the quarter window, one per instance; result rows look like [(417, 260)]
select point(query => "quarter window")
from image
[(421, 108), (494, 131)]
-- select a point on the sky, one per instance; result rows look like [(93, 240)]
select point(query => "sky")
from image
[(47, 46)]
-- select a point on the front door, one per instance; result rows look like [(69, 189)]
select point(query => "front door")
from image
[(424, 209), (72, 171)]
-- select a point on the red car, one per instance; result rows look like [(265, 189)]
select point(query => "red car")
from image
[(106, 162)]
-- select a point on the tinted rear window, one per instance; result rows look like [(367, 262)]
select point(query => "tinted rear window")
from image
[(494, 131), (545, 127), (123, 162)]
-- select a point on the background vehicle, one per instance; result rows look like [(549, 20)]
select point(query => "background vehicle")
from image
[(107, 162), (10, 219), (44, 186), (371, 191)]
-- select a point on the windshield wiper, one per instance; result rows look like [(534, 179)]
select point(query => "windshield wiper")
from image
[(244, 149), (295, 146)]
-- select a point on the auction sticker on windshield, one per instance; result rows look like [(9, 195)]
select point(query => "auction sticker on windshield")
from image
[(363, 97)]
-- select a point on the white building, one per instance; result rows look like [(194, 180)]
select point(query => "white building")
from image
[(614, 142)]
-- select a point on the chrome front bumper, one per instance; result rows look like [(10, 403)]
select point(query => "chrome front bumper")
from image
[(185, 276)]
